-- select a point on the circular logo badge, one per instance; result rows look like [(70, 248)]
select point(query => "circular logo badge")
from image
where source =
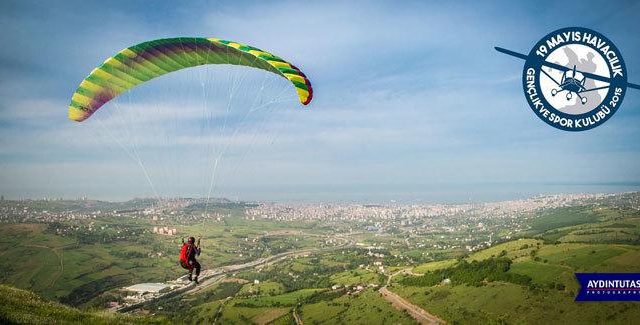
[(574, 79)]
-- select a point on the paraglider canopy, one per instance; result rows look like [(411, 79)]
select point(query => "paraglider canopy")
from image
[(145, 61)]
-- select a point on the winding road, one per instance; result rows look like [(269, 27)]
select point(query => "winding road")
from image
[(296, 317), (419, 314)]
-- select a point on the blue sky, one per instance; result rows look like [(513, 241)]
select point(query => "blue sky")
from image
[(411, 102)]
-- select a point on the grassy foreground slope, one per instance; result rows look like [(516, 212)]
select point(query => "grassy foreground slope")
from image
[(23, 307)]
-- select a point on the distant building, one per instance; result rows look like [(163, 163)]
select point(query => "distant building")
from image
[(165, 231), (256, 281)]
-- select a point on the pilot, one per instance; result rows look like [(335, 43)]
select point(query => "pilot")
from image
[(188, 255)]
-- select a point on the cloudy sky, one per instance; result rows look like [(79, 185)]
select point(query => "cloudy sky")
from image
[(411, 103)]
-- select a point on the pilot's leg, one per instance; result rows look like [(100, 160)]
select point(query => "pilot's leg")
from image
[(196, 265)]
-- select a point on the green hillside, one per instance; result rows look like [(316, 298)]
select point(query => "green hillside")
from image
[(538, 286), (23, 307)]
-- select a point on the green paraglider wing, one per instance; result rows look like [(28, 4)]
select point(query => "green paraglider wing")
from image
[(145, 61)]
